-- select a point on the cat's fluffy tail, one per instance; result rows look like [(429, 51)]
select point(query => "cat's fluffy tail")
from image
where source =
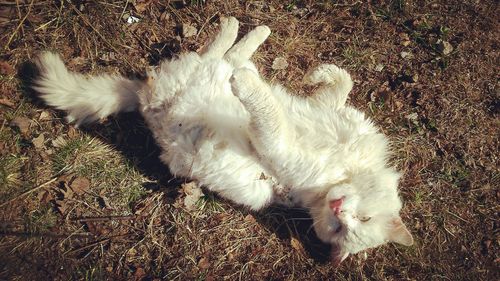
[(85, 99)]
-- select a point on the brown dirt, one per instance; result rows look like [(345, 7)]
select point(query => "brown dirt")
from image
[(96, 204)]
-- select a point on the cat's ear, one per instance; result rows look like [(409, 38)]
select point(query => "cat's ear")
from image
[(399, 233)]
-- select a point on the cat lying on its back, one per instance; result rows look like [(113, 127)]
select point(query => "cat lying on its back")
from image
[(220, 124)]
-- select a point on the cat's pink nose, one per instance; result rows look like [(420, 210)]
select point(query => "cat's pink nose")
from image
[(336, 205)]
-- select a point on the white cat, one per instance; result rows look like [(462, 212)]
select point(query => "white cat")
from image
[(220, 124)]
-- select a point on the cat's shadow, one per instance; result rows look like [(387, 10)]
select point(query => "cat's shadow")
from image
[(128, 133), (295, 226)]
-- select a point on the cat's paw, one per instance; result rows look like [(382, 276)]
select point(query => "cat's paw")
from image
[(329, 74), (283, 196), (229, 24), (242, 82), (262, 32)]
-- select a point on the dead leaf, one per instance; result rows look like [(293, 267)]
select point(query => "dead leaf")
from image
[(109, 56), (45, 197), (6, 68), (193, 194), (80, 185), (398, 104), (22, 123), (144, 207), (487, 244), (444, 47), (77, 61), (60, 141), (297, 245), (38, 141), (66, 191), (188, 30), (61, 206), (139, 273), (165, 16), (405, 39), (95, 228), (406, 55), (204, 263), (45, 115), (220, 217), (72, 133), (300, 12), (279, 63), (379, 67), (412, 116), (249, 218), (141, 5)]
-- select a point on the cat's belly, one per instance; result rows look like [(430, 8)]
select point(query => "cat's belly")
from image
[(205, 130), (209, 126)]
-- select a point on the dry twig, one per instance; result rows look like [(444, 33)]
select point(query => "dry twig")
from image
[(19, 25), (29, 192)]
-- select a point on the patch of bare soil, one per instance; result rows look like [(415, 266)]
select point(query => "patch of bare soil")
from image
[(96, 203)]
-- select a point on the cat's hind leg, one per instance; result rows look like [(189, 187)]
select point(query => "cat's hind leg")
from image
[(242, 51), (223, 41), (267, 116), (269, 130), (235, 177), (335, 84), (254, 193)]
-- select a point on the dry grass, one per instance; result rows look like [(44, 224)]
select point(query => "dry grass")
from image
[(128, 220)]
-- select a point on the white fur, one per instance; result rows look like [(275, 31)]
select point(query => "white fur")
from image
[(219, 123), (84, 99)]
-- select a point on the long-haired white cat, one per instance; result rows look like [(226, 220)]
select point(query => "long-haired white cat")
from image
[(220, 124)]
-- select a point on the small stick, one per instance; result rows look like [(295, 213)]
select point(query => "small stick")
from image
[(457, 216), (46, 234), (100, 241), (87, 246), (204, 24), (28, 192), (106, 218), (19, 25), (45, 24), (123, 11)]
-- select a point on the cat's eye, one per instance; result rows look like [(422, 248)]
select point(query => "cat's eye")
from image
[(364, 219)]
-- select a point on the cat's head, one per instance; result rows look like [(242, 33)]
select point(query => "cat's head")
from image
[(361, 213)]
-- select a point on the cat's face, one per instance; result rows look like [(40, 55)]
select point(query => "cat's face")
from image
[(361, 213)]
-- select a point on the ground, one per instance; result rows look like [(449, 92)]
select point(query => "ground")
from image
[(95, 203)]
